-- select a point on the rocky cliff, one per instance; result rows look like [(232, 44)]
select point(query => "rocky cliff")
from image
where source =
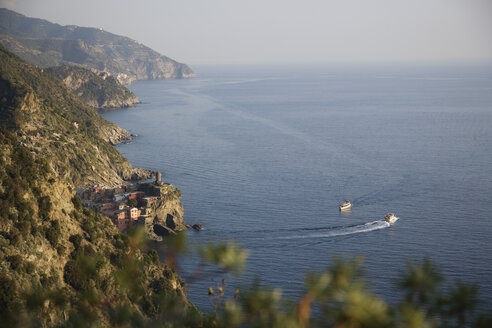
[(164, 215), (62, 264), (168, 212), (49, 119), (46, 44), (96, 90)]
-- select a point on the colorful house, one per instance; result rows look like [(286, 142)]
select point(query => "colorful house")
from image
[(136, 195), (133, 213)]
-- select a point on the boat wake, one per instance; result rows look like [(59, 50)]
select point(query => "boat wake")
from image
[(342, 231)]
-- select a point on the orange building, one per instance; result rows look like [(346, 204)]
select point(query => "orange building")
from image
[(136, 195)]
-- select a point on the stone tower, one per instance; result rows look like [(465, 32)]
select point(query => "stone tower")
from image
[(158, 178)]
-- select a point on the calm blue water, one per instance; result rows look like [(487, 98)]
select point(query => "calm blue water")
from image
[(263, 156)]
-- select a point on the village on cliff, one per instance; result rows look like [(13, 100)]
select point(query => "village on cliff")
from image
[(125, 205)]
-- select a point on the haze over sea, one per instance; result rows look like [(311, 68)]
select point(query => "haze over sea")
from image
[(263, 156)]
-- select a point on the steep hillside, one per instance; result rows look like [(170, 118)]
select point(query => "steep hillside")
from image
[(46, 44), (64, 265), (97, 91), (49, 119)]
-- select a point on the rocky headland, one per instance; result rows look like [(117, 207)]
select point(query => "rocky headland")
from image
[(96, 88), (49, 120), (46, 44)]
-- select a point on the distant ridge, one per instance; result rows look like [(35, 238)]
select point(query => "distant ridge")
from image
[(46, 44)]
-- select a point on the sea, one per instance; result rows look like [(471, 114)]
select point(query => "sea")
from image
[(263, 156)]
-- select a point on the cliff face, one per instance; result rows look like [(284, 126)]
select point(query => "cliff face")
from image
[(62, 264), (164, 214), (98, 91), (49, 119), (168, 213), (46, 44)]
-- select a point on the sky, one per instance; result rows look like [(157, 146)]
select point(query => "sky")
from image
[(287, 31)]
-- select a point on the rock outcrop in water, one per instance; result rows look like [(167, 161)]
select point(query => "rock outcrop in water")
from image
[(197, 227)]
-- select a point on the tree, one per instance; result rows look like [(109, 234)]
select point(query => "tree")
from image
[(132, 202)]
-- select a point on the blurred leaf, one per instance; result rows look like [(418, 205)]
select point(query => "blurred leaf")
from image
[(412, 317), (420, 283), (176, 243), (231, 315), (137, 237), (462, 301), (226, 255), (318, 283)]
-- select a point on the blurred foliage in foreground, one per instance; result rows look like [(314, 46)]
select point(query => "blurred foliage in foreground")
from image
[(337, 297)]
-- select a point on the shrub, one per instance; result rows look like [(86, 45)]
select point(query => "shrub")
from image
[(7, 297), (133, 202), (87, 211), (152, 256), (77, 202), (52, 233), (60, 249), (29, 267), (161, 286), (76, 240), (83, 269), (15, 237), (44, 204), (15, 262), (149, 307), (24, 227)]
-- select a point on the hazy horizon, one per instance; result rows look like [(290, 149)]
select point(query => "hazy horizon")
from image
[(287, 32)]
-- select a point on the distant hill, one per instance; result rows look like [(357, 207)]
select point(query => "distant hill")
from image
[(47, 44), (97, 91)]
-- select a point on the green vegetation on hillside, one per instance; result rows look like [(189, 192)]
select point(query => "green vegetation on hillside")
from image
[(50, 120), (64, 265), (46, 44), (94, 90)]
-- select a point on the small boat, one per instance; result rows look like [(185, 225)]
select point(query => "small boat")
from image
[(345, 206), (391, 218)]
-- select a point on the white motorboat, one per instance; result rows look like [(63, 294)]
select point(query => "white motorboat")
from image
[(391, 218), (345, 206)]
